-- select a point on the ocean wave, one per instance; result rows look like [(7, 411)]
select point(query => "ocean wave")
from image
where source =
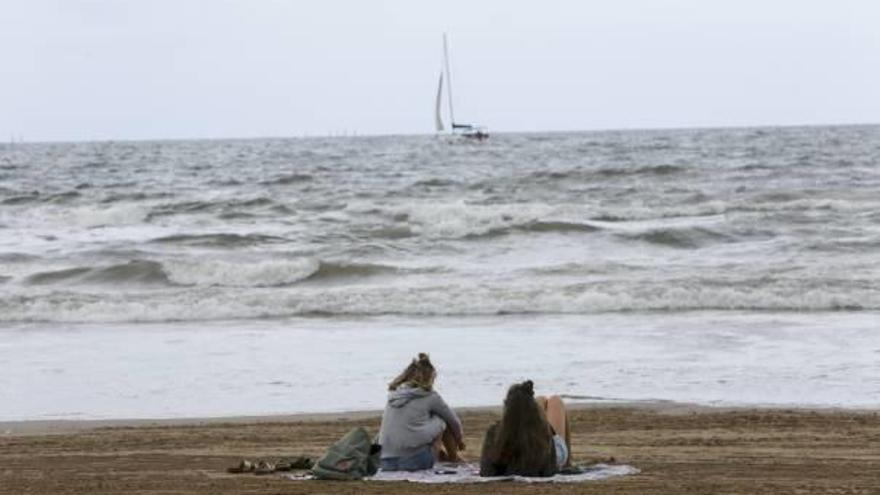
[(538, 227), (392, 232), (36, 197), (209, 273), (336, 271), (79, 215), (847, 245), (264, 273), (580, 269), (435, 182), (225, 182), (135, 196), (228, 207), (219, 303), (785, 203), (136, 271), (684, 238), (794, 210), (557, 226), (185, 207), (471, 221), (268, 273), (286, 180), (682, 226), (236, 215), (62, 197), (22, 199), (754, 167), (588, 174), (647, 170), (17, 257), (223, 240)]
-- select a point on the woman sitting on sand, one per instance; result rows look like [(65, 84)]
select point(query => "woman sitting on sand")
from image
[(418, 428), (532, 438)]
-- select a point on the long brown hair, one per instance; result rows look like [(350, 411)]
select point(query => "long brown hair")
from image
[(523, 438), (419, 373)]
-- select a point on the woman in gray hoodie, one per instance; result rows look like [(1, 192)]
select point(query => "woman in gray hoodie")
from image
[(418, 428)]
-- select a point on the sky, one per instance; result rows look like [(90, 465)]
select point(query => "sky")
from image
[(154, 69)]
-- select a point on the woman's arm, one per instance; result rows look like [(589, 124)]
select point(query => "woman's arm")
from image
[(550, 468), (440, 408)]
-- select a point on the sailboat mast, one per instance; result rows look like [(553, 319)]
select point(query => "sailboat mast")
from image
[(448, 80)]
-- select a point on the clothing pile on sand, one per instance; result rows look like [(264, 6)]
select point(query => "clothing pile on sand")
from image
[(265, 466)]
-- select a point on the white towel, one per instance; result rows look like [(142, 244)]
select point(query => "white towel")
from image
[(470, 473)]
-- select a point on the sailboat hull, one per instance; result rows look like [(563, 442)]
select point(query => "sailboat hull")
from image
[(478, 134)]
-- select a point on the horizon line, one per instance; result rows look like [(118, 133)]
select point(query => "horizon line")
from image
[(357, 135)]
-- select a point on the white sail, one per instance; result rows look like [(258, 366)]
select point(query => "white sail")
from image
[(448, 81), (471, 131), (438, 122)]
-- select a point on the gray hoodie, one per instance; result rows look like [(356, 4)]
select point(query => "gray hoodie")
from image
[(412, 419)]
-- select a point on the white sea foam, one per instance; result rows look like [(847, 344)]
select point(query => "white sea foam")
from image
[(196, 370), (218, 303), (461, 219), (261, 273)]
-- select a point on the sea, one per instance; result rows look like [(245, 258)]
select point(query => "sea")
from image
[(210, 278)]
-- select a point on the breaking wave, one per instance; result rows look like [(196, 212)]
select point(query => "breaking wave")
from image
[(217, 303), (137, 271), (208, 273), (472, 221), (267, 273)]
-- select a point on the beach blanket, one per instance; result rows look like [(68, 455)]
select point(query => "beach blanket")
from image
[(470, 473)]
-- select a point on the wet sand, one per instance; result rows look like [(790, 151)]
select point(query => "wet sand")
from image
[(679, 449)]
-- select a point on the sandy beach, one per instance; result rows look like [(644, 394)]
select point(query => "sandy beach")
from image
[(232, 232), (678, 448)]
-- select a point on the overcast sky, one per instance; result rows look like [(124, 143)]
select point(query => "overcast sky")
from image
[(117, 69)]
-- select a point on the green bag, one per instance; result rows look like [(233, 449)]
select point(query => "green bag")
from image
[(353, 457)]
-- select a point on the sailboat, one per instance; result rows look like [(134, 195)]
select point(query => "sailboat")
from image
[(469, 131)]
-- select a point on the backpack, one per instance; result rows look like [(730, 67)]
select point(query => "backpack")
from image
[(353, 457)]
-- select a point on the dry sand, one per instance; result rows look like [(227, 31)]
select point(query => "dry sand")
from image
[(679, 450)]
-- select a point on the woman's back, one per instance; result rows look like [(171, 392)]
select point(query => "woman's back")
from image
[(417, 425), (538, 460), (523, 442), (413, 417)]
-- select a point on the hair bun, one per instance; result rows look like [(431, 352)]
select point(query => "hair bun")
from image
[(529, 386), (423, 357)]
